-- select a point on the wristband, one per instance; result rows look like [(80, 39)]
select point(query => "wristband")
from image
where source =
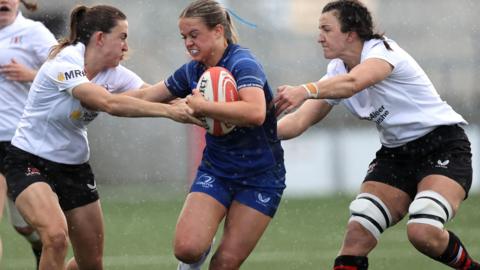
[(312, 90)]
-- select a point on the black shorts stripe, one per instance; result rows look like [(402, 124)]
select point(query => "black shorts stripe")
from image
[(380, 207), (428, 217), (374, 222), (439, 203)]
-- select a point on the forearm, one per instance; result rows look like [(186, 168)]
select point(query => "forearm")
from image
[(126, 106), (341, 86), (239, 113)]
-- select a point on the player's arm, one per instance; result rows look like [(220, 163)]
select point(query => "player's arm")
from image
[(250, 110), (98, 98), (310, 113), (365, 74), (154, 93)]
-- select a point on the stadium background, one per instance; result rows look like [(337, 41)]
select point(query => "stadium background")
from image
[(143, 166)]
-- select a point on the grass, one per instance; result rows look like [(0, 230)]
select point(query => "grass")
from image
[(305, 234)]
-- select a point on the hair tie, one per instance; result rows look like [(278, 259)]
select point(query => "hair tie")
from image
[(240, 19)]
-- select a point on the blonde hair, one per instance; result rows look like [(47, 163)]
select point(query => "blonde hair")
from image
[(212, 14)]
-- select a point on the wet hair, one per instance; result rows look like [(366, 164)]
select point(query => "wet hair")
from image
[(30, 6), (84, 21), (212, 14), (355, 17)]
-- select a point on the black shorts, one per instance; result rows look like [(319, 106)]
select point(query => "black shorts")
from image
[(74, 184), (3, 153), (444, 151)]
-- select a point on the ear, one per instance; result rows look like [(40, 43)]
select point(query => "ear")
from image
[(219, 31), (98, 38), (352, 36)]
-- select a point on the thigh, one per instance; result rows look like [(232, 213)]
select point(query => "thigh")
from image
[(86, 232), (450, 189), (198, 221), (244, 226), (396, 200), (39, 205)]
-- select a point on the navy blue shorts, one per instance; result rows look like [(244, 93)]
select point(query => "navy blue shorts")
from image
[(74, 184), (444, 151), (262, 192)]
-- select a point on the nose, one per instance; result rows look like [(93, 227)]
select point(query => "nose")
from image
[(125, 47), (321, 38), (188, 42)]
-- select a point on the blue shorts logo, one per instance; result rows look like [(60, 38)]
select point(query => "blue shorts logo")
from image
[(205, 180), (263, 199)]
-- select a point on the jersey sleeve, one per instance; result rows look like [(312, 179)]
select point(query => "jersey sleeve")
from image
[(125, 80), (65, 75), (178, 83), (379, 51), (248, 73)]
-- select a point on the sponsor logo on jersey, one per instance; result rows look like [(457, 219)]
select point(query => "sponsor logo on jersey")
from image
[(378, 115), (16, 40), (442, 164), (86, 116), (206, 181), (32, 171), (65, 76)]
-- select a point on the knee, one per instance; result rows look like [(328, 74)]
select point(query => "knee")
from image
[(187, 252), (429, 211), (55, 239), (425, 238), (226, 260)]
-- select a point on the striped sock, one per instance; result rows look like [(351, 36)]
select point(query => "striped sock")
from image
[(347, 262), (456, 256)]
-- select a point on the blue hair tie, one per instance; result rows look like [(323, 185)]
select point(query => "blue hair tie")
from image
[(240, 19)]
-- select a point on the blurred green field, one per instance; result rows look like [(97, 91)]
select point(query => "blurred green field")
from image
[(305, 234)]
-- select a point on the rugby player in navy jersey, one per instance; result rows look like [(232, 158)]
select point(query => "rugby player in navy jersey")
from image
[(241, 177)]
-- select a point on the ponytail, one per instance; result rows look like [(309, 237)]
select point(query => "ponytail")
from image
[(30, 6), (76, 16), (85, 21)]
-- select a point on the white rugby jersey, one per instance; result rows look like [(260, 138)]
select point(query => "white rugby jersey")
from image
[(53, 124), (405, 105), (28, 42)]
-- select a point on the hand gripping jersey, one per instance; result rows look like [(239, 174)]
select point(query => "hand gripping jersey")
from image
[(245, 151), (405, 106), (53, 125), (28, 43)]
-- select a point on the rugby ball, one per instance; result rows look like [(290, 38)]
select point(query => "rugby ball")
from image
[(217, 85)]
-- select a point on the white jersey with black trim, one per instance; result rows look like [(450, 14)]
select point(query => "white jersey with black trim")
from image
[(28, 43), (54, 123), (405, 105)]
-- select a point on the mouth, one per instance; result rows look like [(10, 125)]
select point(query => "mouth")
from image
[(4, 9), (193, 52)]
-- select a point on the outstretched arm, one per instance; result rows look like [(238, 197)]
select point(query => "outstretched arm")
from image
[(154, 93), (294, 124), (98, 98), (365, 74)]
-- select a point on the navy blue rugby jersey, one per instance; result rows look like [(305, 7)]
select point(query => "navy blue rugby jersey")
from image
[(245, 151)]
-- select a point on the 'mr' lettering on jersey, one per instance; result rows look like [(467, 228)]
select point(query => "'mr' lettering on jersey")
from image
[(74, 74)]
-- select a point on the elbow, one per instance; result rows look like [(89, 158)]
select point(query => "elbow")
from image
[(257, 119)]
